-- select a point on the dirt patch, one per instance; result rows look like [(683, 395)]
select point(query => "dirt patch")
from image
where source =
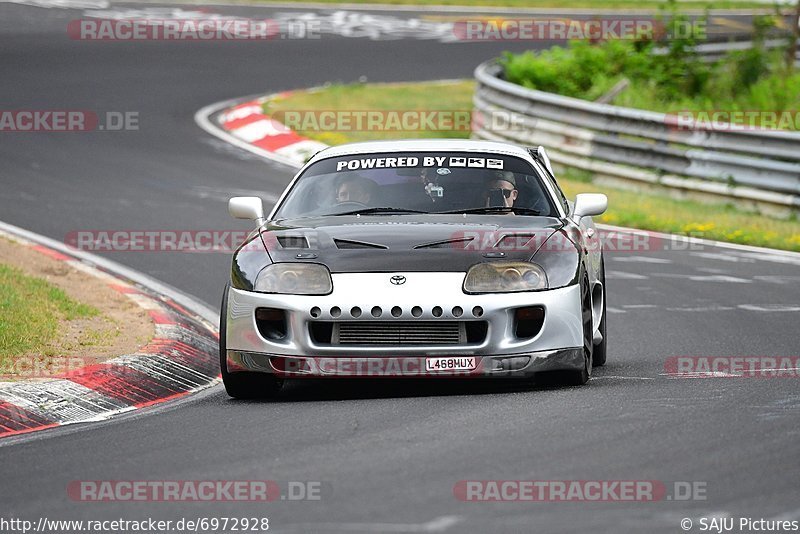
[(121, 327)]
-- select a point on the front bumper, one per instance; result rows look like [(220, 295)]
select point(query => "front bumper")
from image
[(556, 346)]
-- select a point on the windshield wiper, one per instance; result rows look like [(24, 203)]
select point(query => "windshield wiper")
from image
[(496, 209), (365, 211)]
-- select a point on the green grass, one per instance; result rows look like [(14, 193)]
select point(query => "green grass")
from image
[(596, 4), (30, 311), (747, 81), (659, 213), (626, 208), (448, 96)]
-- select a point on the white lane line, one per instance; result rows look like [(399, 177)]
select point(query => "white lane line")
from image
[(769, 308), (611, 309), (722, 257), (639, 306), (701, 374), (707, 278), (788, 260), (777, 279), (621, 275), (440, 524), (701, 309), (721, 278), (639, 259), (615, 377)]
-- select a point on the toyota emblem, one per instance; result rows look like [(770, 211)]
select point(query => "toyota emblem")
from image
[(398, 280)]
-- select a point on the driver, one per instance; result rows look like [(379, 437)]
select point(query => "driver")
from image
[(501, 183), (354, 189)]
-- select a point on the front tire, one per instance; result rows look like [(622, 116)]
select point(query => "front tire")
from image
[(581, 377), (599, 355), (242, 385)]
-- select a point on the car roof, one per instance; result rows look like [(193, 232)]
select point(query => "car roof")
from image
[(422, 145)]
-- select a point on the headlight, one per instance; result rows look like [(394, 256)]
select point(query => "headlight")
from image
[(504, 277), (294, 279)]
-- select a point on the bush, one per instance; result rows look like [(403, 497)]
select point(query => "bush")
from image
[(672, 80)]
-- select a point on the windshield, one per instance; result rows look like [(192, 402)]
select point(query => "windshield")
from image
[(394, 183)]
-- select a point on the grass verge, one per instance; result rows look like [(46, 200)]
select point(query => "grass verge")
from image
[(649, 211), (55, 318), (31, 309)]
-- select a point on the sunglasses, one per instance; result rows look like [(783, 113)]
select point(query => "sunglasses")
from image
[(506, 192)]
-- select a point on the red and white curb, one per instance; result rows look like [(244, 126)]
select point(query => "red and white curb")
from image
[(242, 122), (179, 360)]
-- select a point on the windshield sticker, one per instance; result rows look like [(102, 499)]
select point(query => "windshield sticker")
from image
[(427, 161), (494, 163)]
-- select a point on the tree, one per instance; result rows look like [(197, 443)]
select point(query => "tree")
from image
[(791, 50)]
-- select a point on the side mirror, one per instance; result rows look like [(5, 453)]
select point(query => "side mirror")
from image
[(587, 204), (250, 208)]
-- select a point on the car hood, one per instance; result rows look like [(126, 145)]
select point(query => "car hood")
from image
[(389, 243)]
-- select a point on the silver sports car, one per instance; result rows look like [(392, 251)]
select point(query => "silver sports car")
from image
[(423, 258)]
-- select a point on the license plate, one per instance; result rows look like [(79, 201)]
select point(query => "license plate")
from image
[(451, 363)]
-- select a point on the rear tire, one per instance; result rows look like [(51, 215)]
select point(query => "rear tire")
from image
[(242, 385)]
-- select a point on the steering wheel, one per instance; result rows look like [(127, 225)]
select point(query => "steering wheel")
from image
[(352, 203), (540, 205)]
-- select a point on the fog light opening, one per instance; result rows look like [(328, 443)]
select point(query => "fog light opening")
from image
[(528, 321), (271, 323)]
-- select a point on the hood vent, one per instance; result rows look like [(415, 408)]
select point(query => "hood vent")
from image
[(296, 241), (450, 243), (347, 244), (514, 241)]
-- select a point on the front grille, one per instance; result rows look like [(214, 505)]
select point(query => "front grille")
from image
[(399, 333)]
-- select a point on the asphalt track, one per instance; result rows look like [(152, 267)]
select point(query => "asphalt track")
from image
[(388, 453)]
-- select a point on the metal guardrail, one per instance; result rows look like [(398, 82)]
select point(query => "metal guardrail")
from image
[(713, 51), (762, 166)]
